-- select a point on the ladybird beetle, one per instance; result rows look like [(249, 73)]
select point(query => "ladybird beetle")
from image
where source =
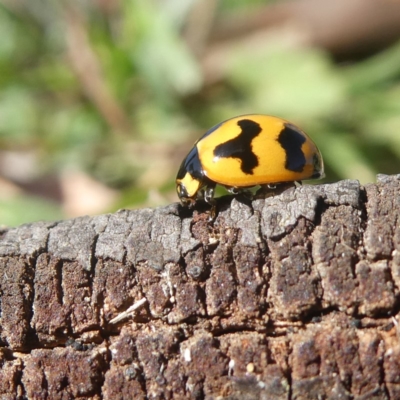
[(247, 151)]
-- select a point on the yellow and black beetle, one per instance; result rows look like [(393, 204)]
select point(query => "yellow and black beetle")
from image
[(247, 151)]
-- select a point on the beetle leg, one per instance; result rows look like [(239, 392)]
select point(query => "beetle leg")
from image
[(209, 194), (233, 189), (209, 198), (271, 190), (241, 191)]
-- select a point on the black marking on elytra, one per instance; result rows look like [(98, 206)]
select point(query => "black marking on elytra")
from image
[(317, 164), (192, 165), (291, 140), (240, 146)]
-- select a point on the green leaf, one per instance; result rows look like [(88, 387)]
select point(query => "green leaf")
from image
[(23, 209), (295, 83), (158, 51), (18, 114), (344, 155)]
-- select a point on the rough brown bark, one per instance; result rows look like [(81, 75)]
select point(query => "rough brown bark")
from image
[(290, 297)]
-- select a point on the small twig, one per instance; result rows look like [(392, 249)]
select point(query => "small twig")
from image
[(199, 24), (88, 70), (129, 312)]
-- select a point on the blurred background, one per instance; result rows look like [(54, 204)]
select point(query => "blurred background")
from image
[(100, 100)]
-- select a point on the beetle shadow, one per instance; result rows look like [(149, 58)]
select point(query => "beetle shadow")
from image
[(259, 192), (224, 202)]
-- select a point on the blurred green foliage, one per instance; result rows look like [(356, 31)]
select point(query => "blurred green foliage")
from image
[(118, 93)]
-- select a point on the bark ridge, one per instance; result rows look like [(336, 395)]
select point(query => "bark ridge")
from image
[(294, 296)]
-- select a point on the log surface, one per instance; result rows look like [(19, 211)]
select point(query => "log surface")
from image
[(294, 296)]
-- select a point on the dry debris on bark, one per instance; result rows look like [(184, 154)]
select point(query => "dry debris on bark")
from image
[(291, 297)]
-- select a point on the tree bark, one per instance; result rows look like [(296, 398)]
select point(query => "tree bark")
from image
[(294, 296)]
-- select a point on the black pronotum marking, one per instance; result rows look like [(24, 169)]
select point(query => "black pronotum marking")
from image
[(192, 162), (240, 146), (291, 140), (192, 165)]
